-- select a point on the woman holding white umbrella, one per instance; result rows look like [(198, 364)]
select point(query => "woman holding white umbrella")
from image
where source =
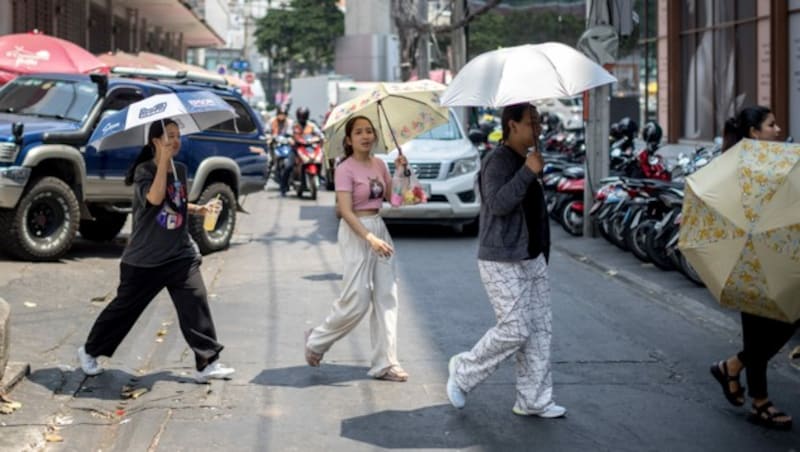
[(512, 259), (160, 254)]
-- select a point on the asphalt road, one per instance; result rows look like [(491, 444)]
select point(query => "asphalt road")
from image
[(631, 351)]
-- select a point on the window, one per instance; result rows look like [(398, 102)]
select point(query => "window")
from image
[(243, 124), (60, 99), (718, 61), (447, 131)]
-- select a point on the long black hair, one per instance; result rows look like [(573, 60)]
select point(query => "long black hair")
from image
[(739, 127), (149, 150), (348, 129)]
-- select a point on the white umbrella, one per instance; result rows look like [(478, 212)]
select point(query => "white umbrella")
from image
[(192, 111), (524, 73)]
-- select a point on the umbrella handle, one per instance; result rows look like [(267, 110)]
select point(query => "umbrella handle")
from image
[(407, 172)]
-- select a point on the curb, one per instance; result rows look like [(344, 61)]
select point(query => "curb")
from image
[(15, 371), (688, 307)]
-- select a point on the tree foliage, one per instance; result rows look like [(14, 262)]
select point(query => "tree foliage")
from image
[(303, 36), (492, 31)]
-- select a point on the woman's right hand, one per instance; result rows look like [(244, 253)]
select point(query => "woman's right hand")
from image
[(535, 162), (380, 247)]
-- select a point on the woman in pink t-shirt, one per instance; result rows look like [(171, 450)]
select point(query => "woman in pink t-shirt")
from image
[(362, 184)]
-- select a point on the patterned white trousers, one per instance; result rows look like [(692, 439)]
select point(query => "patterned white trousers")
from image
[(520, 295), (369, 283)]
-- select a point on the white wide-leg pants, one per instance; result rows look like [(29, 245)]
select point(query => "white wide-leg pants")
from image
[(369, 281), (520, 295)]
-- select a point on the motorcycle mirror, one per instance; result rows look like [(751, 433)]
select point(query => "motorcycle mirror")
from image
[(652, 160), (616, 153)]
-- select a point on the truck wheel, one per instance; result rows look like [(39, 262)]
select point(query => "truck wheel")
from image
[(220, 237), (105, 226), (44, 224)]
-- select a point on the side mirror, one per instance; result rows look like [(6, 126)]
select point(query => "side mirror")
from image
[(17, 130)]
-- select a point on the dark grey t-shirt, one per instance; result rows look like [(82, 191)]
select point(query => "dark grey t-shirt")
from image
[(160, 233)]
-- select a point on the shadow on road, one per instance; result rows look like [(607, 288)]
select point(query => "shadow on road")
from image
[(109, 385), (441, 427), (305, 376)]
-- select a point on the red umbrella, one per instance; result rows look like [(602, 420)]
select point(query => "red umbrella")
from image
[(28, 53)]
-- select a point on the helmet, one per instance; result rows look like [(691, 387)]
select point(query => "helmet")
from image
[(302, 114), (651, 133), (628, 127), (281, 110)]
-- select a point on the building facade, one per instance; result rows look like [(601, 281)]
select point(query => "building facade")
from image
[(716, 56), (167, 27)]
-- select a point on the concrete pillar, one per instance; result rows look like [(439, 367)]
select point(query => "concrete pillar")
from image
[(6, 17), (5, 315)]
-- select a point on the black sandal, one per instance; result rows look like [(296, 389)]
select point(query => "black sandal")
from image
[(765, 418), (720, 372)]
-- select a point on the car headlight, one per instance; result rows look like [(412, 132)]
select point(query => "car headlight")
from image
[(464, 166), (8, 152)]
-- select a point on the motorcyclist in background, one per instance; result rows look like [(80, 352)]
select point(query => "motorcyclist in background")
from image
[(305, 132), (280, 124)]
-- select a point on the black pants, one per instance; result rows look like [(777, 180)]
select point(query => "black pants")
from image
[(137, 288), (762, 338)]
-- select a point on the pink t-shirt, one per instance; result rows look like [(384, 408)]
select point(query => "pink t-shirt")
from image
[(368, 183)]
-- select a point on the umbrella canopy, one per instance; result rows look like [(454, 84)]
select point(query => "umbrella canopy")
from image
[(741, 228), (524, 73), (31, 53), (400, 112), (192, 110)]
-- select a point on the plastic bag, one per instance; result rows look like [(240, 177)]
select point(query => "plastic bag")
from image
[(406, 190)]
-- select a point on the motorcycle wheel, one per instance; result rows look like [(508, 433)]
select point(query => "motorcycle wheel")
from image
[(312, 182), (657, 251), (689, 271), (637, 238), (299, 185), (572, 221), (617, 230)]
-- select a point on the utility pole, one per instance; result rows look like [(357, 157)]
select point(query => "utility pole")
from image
[(458, 39), (423, 56), (597, 125)]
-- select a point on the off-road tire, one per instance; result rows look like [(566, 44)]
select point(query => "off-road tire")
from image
[(57, 204), (105, 226), (220, 237), (471, 229)]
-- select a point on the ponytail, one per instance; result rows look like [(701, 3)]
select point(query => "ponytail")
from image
[(739, 127)]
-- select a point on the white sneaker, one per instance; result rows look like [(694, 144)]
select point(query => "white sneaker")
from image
[(213, 371), (551, 412), (88, 362), (458, 398)]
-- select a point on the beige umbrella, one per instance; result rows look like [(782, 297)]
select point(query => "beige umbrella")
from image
[(741, 228), (399, 112)]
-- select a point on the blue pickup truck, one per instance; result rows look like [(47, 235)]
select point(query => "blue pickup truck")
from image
[(53, 185)]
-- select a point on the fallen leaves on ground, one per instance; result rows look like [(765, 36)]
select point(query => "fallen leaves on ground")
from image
[(8, 406)]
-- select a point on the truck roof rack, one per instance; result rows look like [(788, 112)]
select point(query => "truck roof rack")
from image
[(182, 76)]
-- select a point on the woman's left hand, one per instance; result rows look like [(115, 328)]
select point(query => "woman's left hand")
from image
[(400, 161)]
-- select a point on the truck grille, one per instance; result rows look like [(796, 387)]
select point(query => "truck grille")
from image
[(8, 152), (423, 170)]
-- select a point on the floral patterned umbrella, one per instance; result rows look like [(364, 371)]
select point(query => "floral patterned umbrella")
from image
[(741, 228), (399, 112)]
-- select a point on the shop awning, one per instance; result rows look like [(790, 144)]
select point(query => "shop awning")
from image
[(176, 17)]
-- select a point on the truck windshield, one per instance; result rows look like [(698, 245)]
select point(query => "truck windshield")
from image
[(60, 99), (447, 131)]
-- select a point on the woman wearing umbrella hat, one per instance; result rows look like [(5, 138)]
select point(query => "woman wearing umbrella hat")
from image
[(762, 337), (160, 254)]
